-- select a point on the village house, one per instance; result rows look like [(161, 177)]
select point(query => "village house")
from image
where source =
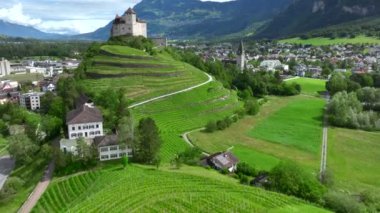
[(31, 101), (271, 65), (86, 121), (109, 148), (129, 24), (221, 161), (5, 67)]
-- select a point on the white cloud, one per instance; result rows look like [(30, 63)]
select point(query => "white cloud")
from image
[(16, 15)]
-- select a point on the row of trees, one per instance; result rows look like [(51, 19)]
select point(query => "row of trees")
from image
[(350, 83)]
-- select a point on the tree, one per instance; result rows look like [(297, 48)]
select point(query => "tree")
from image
[(336, 83), (245, 169), (290, 179), (22, 148), (148, 141), (252, 107), (124, 161), (211, 126), (85, 152)]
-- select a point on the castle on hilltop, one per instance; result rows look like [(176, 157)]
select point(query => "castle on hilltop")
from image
[(128, 24)]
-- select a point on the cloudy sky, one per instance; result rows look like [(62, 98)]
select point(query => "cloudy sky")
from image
[(64, 16)]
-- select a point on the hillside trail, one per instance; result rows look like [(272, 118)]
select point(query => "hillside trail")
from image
[(324, 141)]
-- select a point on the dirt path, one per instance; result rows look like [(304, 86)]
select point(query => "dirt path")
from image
[(185, 137), (210, 79), (324, 141), (38, 191)]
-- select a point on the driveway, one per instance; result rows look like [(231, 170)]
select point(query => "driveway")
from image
[(6, 166)]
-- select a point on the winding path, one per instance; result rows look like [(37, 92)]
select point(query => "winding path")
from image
[(185, 137), (210, 79)]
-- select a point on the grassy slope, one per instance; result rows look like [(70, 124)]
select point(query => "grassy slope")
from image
[(187, 111), (310, 86), (142, 189), (354, 157), (139, 86), (3, 146), (275, 120), (328, 41)]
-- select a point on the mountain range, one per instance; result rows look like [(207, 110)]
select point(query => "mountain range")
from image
[(184, 19)]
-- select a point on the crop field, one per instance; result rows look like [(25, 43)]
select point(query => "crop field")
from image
[(353, 157), (141, 75), (139, 189), (328, 41), (187, 111), (310, 86), (286, 128)]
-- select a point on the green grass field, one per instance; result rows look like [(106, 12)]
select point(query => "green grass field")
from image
[(144, 189), (353, 157), (298, 124), (24, 77), (286, 128), (187, 111), (142, 77), (328, 41), (310, 86)]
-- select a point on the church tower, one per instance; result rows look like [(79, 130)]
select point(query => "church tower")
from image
[(240, 58)]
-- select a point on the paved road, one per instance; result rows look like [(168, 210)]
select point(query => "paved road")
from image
[(173, 93), (6, 166), (38, 191), (324, 141), (185, 137)]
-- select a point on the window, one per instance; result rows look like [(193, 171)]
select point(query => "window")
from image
[(104, 149), (104, 157), (73, 135), (80, 134), (122, 154), (79, 127), (97, 125), (92, 133), (114, 156), (73, 128), (113, 148)]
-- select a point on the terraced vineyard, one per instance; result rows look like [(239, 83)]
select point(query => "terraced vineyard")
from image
[(143, 76), (187, 111), (139, 189)]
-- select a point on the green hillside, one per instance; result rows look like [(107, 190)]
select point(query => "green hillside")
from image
[(140, 189), (187, 111), (143, 76), (327, 41)]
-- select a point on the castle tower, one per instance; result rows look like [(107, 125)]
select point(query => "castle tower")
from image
[(129, 24), (240, 58)]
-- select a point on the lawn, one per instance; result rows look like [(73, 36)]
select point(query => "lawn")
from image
[(145, 189), (353, 157), (142, 77), (310, 86), (272, 135), (327, 41), (24, 77), (187, 111), (298, 124)]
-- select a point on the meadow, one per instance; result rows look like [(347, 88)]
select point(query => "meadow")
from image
[(327, 41), (187, 111), (286, 128), (139, 189), (353, 157), (310, 86), (142, 76)]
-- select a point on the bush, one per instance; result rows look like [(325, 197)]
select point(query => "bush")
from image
[(211, 127), (245, 169), (342, 203), (191, 156), (244, 179), (11, 187), (221, 125), (252, 107)]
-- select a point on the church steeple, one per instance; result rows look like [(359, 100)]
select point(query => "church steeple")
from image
[(240, 58)]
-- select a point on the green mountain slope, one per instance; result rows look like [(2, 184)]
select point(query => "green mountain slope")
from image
[(306, 15)]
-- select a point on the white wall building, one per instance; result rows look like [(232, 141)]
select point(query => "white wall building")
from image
[(31, 101), (110, 149), (271, 65), (85, 121), (129, 24), (5, 67)]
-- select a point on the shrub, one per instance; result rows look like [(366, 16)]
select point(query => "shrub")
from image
[(252, 107), (221, 125), (190, 156), (245, 169), (211, 126), (11, 187), (342, 203)]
